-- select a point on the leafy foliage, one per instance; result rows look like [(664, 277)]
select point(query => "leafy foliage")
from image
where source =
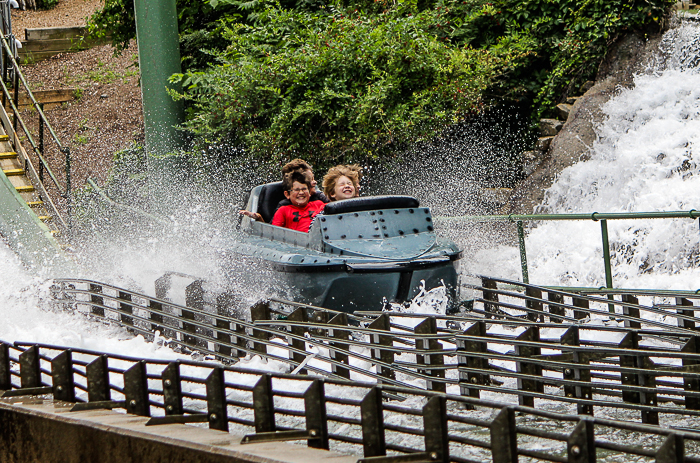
[(333, 88), (339, 81)]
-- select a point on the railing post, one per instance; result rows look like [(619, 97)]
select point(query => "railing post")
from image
[(315, 411), (468, 380), (69, 188), (606, 253), (531, 369), (489, 308), (16, 100), (30, 368), (555, 298), (384, 355), (157, 321), (318, 317), (239, 339), (571, 338), (534, 305), (437, 442), (62, 376), (631, 341), (97, 373), (690, 384), (432, 359), (372, 415), (260, 311), (583, 304), (41, 143), (294, 343), (672, 450), (523, 254), (97, 299), (340, 319), (125, 308), (5, 371), (504, 437), (688, 324), (136, 390), (264, 405), (216, 400), (223, 326), (172, 389), (581, 443), (163, 285), (631, 311), (194, 297)]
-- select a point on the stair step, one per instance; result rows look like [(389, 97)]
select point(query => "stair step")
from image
[(54, 232), (25, 188), (4, 137), (8, 155), (10, 172), (35, 203), (45, 218)]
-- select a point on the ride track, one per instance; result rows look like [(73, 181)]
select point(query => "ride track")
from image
[(517, 344)]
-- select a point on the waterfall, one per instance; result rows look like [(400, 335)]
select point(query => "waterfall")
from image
[(645, 158)]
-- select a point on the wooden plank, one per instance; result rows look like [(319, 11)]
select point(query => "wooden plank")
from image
[(52, 33), (60, 45), (60, 95)]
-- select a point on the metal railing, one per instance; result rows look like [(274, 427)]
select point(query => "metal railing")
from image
[(648, 369), (11, 97), (601, 217), (352, 417)]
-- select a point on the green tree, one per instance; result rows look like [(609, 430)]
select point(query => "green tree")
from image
[(336, 87)]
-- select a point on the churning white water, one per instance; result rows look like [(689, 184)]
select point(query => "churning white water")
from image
[(645, 159)]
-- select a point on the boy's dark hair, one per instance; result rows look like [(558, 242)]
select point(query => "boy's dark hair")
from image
[(295, 176), (295, 164)]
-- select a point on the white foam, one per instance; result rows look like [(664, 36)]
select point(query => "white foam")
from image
[(645, 159)]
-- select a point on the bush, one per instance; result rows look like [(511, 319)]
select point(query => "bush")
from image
[(334, 87), (47, 4), (339, 82)]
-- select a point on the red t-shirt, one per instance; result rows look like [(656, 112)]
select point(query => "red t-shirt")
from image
[(297, 218)]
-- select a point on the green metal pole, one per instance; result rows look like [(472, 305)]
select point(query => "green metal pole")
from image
[(606, 260), (523, 255), (159, 57)]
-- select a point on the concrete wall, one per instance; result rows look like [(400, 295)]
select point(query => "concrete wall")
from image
[(45, 431)]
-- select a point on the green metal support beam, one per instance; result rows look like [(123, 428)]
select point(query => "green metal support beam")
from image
[(159, 57)]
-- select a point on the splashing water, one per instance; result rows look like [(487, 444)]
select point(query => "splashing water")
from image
[(645, 159), (642, 161)]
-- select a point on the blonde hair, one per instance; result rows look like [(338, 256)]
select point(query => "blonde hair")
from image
[(353, 172)]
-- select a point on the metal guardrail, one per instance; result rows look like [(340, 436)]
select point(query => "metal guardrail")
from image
[(601, 217), (11, 71), (352, 417), (650, 372)]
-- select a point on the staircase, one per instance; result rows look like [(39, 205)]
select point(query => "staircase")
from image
[(14, 169)]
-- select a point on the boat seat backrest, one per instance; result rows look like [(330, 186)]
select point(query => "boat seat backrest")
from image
[(369, 203), (270, 195)]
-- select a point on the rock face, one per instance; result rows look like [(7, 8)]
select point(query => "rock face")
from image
[(575, 139)]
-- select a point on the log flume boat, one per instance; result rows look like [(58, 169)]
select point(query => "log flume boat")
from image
[(359, 253)]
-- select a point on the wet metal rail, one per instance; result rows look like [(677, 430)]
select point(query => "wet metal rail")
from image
[(601, 217), (352, 417), (514, 345)]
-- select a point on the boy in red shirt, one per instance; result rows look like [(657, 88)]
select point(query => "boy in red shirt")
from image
[(298, 215)]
